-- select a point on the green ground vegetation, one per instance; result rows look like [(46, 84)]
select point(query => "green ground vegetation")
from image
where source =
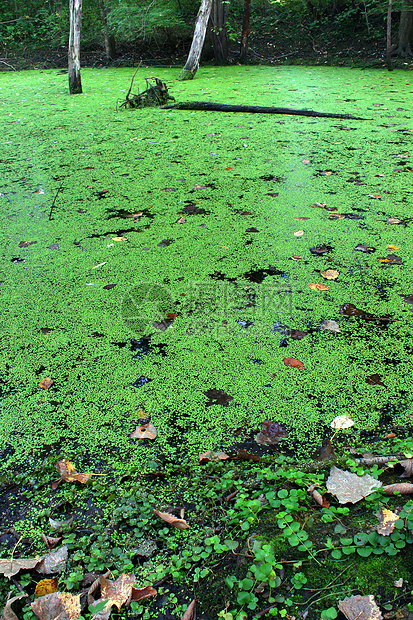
[(114, 219)]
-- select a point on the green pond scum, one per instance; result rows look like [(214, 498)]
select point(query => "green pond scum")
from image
[(95, 251)]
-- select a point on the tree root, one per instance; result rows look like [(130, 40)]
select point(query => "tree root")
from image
[(156, 94), (224, 107)]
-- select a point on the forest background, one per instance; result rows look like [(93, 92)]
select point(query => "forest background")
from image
[(34, 33)]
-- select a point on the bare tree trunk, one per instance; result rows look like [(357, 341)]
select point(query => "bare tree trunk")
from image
[(192, 63), (75, 12), (405, 35), (245, 31), (110, 43), (388, 40), (217, 20)]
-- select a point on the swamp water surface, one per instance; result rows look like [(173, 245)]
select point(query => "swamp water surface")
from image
[(151, 258)]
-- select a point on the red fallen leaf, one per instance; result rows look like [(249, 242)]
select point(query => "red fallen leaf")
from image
[(140, 593), (372, 196), (45, 383), (291, 361), (171, 315), (390, 435), (109, 286), (228, 168), (180, 524)]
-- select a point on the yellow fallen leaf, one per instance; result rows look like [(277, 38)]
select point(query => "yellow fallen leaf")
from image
[(330, 274), (318, 287), (45, 383), (47, 586), (67, 472), (298, 233), (296, 257), (118, 238), (392, 248)]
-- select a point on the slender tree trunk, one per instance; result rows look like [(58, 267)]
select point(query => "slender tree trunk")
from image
[(217, 20), (192, 63), (388, 39), (75, 12), (110, 43), (245, 31), (405, 35)]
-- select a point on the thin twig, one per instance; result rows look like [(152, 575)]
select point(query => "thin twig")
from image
[(53, 203)]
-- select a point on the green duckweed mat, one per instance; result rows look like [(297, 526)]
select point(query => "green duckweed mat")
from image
[(96, 255)]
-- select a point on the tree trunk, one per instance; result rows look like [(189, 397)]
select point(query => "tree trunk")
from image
[(217, 20), (110, 43), (192, 63), (388, 41), (75, 12), (245, 31), (405, 36)]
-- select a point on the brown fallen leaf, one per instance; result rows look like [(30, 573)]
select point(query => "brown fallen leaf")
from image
[(291, 361), (140, 593), (209, 456), (295, 257), (45, 383), (58, 605), (25, 244), (243, 455), (46, 586), (117, 592), (387, 520), (360, 608), (326, 451), (374, 380), (8, 568), (404, 488), (271, 434), (297, 334), (301, 219), (316, 495), (8, 613), (180, 524), (188, 615), (364, 248), (330, 274), (67, 472), (181, 220), (145, 431), (315, 286), (50, 541)]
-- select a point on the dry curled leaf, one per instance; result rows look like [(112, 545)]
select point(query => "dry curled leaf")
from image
[(140, 593), (50, 541), (180, 524), (8, 613), (387, 520), (188, 615), (407, 465), (316, 495), (349, 487), (145, 431), (360, 608), (67, 472), (58, 605), (315, 286), (404, 488), (46, 586)]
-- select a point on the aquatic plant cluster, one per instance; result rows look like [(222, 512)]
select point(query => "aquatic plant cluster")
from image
[(174, 283)]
